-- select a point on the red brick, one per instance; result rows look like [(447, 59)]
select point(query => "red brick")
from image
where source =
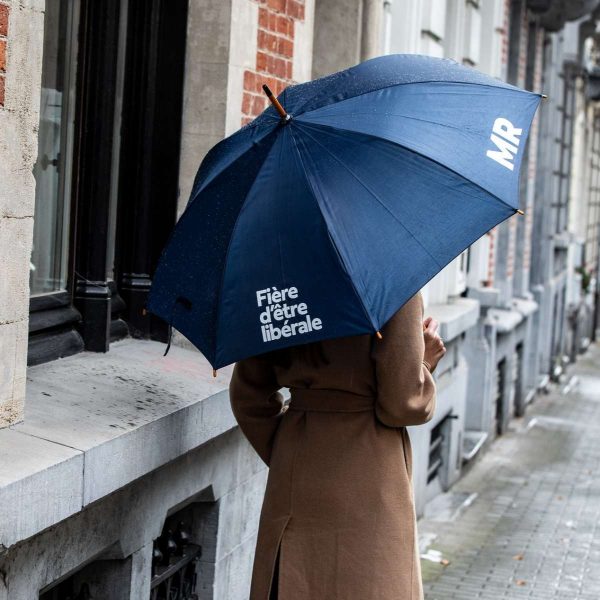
[(1, 90), (263, 18), (285, 26), (261, 39), (258, 105), (278, 5), (246, 120), (285, 47), (278, 67), (2, 55), (247, 103), (295, 9), (270, 64), (261, 61), (267, 41), (249, 81), (4, 10)]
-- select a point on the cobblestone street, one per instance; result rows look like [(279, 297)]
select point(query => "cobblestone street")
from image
[(524, 521)]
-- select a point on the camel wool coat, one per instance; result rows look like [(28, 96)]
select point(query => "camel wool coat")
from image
[(338, 516)]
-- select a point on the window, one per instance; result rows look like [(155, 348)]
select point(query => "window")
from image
[(107, 173), (52, 170)]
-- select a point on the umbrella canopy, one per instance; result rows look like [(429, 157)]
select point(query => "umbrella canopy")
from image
[(323, 225)]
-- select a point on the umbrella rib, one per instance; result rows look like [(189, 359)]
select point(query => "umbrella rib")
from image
[(417, 153), (233, 232), (364, 185), (332, 241), (389, 114), (385, 87)]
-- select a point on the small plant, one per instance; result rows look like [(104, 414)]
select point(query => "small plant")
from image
[(586, 278)]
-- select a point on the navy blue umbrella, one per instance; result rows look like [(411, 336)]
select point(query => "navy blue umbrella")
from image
[(323, 221)]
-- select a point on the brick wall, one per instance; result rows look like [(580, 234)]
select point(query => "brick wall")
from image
[(274, 54), (4, 13)]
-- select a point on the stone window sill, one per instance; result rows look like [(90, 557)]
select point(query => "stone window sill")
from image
[(96, 422), (454, 317)]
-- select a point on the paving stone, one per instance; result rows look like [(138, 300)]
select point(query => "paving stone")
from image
[(538, 496)]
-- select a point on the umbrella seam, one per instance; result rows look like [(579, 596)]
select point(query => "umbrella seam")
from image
[(388, 114), (421, 286), (417, 153), (207, 182), (376, 198), (385, 87), (332, 241), (233, 232)]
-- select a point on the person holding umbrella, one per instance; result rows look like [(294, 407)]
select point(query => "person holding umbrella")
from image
[(301, 254), (338, 518)]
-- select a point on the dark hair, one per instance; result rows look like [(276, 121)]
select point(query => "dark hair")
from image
[(312, 353)]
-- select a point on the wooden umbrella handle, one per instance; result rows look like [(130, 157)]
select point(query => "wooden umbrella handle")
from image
[(275, 102)]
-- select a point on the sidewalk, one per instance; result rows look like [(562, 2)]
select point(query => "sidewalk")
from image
[(527, 516)]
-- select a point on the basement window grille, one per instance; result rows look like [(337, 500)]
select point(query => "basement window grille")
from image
[(175, 562), (436, 459), (68, 590), (500, 385)]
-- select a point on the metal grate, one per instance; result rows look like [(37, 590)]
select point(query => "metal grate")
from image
[(500, 383), (436, 459), (174, 565), (66, 590)]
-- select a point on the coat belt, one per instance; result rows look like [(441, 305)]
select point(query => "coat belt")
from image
[(320, 400)]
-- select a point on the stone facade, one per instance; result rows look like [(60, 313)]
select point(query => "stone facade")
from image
[(21, 31)]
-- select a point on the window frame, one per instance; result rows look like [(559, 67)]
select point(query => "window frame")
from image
[(96, 309)]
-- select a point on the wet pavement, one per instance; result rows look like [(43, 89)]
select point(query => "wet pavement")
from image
[(524, 521)]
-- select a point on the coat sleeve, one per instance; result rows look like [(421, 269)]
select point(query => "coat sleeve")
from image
[(406, 393), (256, 403)]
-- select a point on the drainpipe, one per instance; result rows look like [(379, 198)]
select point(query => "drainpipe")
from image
[(372, 18)]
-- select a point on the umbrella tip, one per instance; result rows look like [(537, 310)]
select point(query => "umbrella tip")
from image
[(379, 336), (214, 372), (544, 97), (520, 212), (282, 112)]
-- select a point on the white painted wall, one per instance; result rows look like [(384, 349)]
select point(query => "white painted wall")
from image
[(452, 29)]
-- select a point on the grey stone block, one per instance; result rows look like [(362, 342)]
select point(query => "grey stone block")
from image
[(41, 484)]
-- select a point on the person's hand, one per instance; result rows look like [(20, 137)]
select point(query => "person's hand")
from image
[(434, 346)]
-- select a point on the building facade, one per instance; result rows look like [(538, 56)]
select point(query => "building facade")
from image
[(122, 472)]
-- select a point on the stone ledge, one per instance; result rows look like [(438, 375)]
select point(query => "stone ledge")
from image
[(525, 306), (454, 317), (488, 297), (504, 320), (39, 480), (96, 422)]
